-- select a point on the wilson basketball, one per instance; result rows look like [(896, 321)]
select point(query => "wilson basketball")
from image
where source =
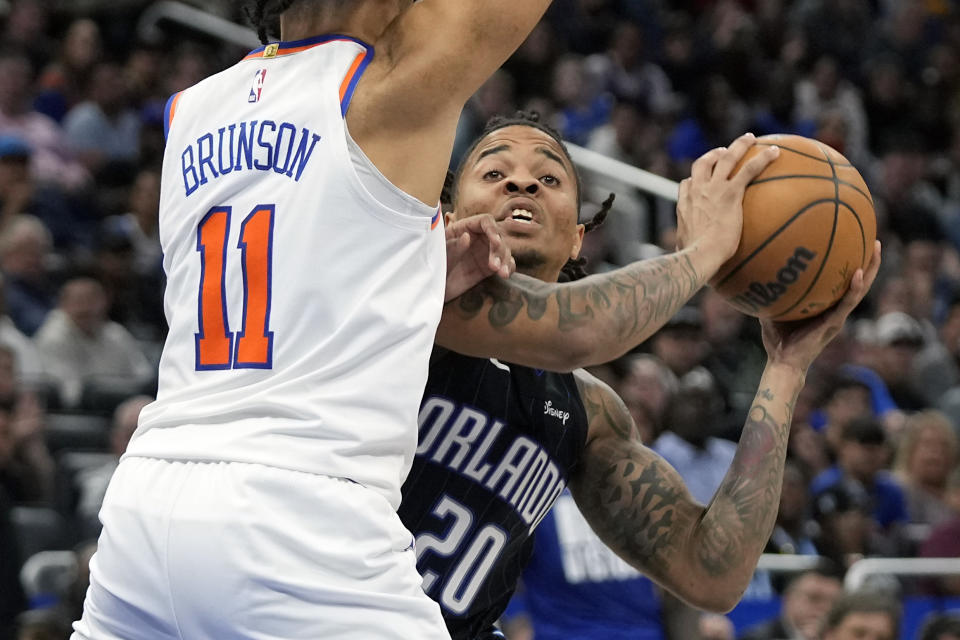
[(808, 225)]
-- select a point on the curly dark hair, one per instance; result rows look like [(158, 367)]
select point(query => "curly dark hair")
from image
[(575, 268), (263, 14)]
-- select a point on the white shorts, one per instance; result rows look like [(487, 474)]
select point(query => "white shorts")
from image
[(223, 551)]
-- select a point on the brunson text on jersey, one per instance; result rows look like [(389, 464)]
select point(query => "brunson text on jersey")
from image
[(247, 146)]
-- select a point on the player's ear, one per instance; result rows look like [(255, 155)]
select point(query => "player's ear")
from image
[(577, 242)]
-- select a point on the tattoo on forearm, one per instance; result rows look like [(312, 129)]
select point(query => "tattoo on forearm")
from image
[(627, 302), (741, 516)]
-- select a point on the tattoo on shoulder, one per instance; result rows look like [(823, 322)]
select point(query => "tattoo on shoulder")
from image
[(605, 409)]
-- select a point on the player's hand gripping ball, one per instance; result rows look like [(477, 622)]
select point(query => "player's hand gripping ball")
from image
[(808, 225)]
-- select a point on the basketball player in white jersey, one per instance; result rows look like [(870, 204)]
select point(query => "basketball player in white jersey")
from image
[(306, 266)]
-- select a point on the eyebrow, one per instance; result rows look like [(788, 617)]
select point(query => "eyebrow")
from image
[(553, 156), (490, 152)]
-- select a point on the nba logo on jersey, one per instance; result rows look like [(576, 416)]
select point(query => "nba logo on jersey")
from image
[(257, 89)]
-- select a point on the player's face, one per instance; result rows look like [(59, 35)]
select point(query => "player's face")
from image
[(521, 176)]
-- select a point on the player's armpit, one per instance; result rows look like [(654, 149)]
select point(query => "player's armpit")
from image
[(561, 327)]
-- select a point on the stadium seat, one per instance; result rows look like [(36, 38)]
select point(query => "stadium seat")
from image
[(38, 529), (74, 431)]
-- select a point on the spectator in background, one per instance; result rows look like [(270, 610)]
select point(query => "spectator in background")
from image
[(794, 531), (735, 357), (846, 530), (20, 194), (29, 368), (925, 456), (633, 138), (861, 457), (103, 130), (715, 114), (25, 254), (646, 388), (584, 25), (844, 398), (861, 616), (136, 300), (581, 105), (936, 366), (92, 483), (680, 344), (532, 65), (52, 160), (692, 418), (26, 467), (625, 71), (12, 599), (63, 82), (941, 627), (943, 542), (898, 339), (777, 113), (25, 30), (825, 90), (81, 348), (888, 103), (141, 223), (42, 624), (807, 599)]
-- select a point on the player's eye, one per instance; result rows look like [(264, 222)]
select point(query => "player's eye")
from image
[(550, 181), (493, 174)]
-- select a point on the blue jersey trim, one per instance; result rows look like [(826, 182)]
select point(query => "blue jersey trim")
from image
[(345, 101), (166, 116)]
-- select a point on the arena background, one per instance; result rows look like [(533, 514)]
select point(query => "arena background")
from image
[(649, 84)]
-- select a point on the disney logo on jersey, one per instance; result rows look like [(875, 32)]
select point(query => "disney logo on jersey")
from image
[(549, 410), (257, 89)]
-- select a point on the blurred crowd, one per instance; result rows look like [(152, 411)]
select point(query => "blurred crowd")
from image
[(873, 466)]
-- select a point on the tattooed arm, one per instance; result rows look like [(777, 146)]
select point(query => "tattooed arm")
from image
[(565, 326), (640, 507)]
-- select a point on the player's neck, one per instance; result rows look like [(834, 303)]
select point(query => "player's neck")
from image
[(365, 21)]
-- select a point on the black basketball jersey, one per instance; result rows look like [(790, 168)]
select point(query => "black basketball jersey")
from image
[(498, 443)]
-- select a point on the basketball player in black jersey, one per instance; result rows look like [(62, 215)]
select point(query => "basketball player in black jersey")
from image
[(500, 441)]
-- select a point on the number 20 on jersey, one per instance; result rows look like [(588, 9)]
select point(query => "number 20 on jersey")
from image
[(216, 345)]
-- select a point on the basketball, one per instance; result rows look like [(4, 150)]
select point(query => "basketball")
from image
[(808, 225)]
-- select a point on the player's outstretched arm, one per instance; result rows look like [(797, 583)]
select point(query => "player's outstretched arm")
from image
[(562, 327), (448, 48), (639, 506)]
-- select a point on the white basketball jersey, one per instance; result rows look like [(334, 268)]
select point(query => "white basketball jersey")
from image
[(304, 290)]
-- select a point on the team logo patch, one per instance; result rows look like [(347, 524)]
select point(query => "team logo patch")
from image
[(256, 91)]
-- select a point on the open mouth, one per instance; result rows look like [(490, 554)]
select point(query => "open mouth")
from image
[(521, 215)]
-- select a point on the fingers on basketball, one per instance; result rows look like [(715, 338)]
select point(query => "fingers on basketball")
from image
[(808, 226)]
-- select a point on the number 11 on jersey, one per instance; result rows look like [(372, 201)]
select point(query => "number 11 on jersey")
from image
[(216, 346)]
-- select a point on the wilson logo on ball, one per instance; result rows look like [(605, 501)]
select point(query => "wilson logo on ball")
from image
[(759, 295)]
